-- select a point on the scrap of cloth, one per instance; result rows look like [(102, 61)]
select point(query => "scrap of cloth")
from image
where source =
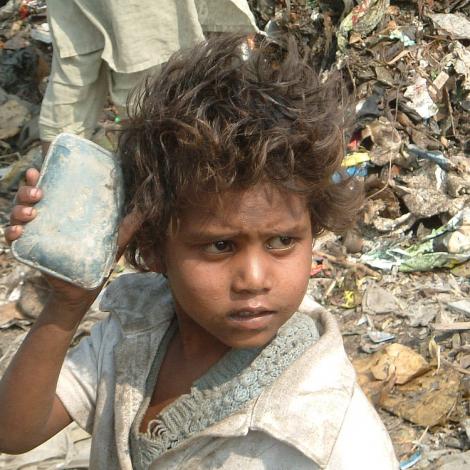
[(137, 35)]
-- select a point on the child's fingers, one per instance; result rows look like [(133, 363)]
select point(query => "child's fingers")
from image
[(12, 233), (28, 195), (21, 214), (32, 176)]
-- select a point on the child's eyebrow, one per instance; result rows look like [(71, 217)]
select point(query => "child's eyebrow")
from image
[(204, 235), (220, 233)]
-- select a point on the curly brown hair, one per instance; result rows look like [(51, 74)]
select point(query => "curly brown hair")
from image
[(223, 116)]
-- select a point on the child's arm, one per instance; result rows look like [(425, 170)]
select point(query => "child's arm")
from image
[(30, 412)]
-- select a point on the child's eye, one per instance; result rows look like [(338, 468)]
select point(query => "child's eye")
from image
[(280, 243), (220, 246)]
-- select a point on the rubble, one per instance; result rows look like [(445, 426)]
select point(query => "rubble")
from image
[(461, 306), (377, 300), (411, 99), (398, 283), (443, 247), (458, 26), (427, 400), (13, 115), (402, 382)]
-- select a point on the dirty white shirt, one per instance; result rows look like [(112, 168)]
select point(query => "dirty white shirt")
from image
[(313, 416), (135, 35)]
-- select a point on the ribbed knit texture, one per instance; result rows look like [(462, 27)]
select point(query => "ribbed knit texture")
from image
[(225, 388)]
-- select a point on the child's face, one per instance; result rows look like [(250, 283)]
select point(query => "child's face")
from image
[(239, 267)]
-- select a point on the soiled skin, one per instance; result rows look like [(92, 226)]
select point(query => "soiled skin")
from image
[(245, 252)]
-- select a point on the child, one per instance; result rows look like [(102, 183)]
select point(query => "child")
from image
[(217, 364)]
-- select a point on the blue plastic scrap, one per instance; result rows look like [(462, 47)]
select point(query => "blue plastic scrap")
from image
[(414, 459), (350, 172), (433, 155)]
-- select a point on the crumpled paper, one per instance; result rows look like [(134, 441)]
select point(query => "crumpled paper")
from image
[(420, 99)]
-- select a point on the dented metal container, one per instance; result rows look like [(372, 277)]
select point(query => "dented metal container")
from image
[(74, 235)]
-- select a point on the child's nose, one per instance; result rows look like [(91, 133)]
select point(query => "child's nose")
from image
[(252, 273)]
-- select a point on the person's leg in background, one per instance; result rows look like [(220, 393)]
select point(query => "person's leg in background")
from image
[(75, 96), (121, 84)]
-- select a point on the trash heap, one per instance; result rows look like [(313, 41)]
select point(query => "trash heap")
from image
[(399, 281), (25, 57), (407, 67)]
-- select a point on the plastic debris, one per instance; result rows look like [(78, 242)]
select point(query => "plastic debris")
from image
[(377, 300), (41, 33), (411, 461), (355, 158), (420, 100), (379, 336), (362, 19), (433, 155), (401, 36), (355, 165), (443, 248)]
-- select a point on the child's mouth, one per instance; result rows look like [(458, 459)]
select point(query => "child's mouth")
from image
[(252, 319)]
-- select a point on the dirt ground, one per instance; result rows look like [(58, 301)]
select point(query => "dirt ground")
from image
[(399, 283)]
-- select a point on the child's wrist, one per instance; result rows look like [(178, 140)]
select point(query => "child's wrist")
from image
[(67, 313)]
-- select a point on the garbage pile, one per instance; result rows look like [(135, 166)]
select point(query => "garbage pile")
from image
[(407, 66), (25, 57), (399, 282)]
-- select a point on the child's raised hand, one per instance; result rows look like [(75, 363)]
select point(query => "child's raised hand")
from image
[(23, 210)]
